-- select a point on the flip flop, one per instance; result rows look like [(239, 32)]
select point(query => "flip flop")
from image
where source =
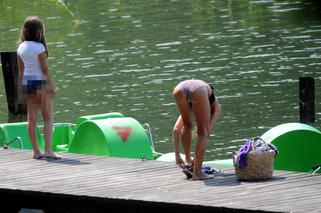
[(188, 173), (212, 171), (206, 170), (38, 157), (188, 170)]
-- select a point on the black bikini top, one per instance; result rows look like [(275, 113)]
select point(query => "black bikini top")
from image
[(211, 99)]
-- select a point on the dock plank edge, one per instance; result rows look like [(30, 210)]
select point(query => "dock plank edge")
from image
[(14, 199)]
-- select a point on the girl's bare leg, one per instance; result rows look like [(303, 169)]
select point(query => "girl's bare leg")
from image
[(46, 109), (32, 125)]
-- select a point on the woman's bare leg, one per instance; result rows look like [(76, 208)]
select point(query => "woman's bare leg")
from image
[(186, 116), (201, 110)]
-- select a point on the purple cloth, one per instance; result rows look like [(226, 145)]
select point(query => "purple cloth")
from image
[(241, 159)]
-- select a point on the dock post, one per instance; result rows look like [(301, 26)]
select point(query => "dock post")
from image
[(16, 104), (307, 100)]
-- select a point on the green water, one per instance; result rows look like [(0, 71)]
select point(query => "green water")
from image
[(126, 56)]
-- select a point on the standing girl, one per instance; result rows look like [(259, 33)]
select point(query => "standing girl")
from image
[(37, 84)]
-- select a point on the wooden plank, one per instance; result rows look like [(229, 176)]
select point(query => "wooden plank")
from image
[(104, 181)]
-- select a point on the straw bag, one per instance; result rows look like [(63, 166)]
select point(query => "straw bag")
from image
[(259, 165)]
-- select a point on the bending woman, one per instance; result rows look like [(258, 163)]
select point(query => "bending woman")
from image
[(194, 99)]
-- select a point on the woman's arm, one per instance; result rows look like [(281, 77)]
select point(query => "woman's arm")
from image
[(215, 114), (176, 136)]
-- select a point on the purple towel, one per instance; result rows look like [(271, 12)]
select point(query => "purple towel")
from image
[(241, 159)]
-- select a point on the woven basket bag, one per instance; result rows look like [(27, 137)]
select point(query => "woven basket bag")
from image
[(259, 166)]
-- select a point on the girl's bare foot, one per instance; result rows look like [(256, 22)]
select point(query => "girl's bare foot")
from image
[(37, 155), (52, 155)]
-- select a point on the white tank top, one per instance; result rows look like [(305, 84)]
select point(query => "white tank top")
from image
[(29, 52)]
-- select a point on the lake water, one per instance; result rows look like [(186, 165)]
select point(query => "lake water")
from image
[(126, 56)]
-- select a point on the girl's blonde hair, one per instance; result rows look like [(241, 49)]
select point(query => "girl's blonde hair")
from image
[(33, 29)]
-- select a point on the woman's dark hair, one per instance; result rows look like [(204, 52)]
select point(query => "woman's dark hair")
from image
[(33, 30)]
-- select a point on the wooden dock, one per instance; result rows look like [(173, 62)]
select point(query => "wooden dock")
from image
[(81, 183)]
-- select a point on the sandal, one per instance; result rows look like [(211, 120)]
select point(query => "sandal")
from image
[(212, 171), (188, 170)]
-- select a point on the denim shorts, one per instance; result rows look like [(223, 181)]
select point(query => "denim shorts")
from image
[(32, 86)]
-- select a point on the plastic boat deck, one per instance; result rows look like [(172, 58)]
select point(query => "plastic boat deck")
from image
[(82, 183)]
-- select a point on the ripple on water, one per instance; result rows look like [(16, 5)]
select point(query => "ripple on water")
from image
[(251, 58)]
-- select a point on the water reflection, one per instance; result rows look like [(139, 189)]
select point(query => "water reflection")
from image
[(128, 56)]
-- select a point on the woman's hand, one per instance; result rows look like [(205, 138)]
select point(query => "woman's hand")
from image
[(180, 162)]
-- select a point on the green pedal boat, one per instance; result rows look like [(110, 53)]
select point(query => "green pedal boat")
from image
[(114, 135)]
